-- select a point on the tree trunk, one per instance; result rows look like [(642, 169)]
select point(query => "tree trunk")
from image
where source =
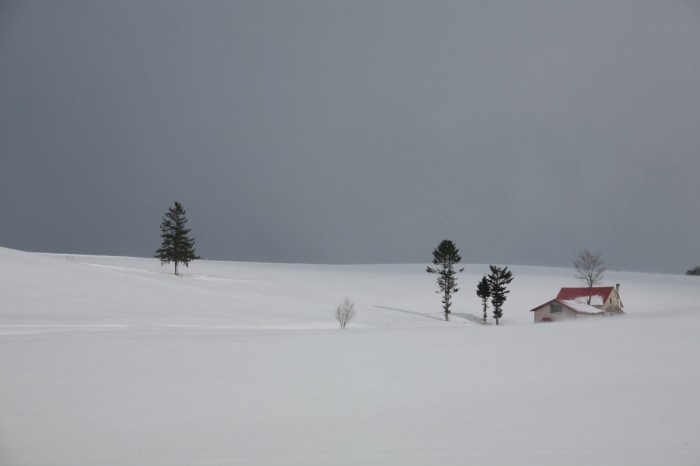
[(175, 267), (447, 306)]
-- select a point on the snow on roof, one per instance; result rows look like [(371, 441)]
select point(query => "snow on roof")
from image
[(578, 306), (574, 305), (573, 293), (596, 300)]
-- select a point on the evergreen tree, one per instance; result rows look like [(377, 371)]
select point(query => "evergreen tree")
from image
[(177, 246), (445, 256), (498, 279), (483, 290)]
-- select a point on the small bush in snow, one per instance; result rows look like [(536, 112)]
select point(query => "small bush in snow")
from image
[(345, 312)]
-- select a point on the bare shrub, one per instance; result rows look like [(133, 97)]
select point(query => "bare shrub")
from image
[(345, 312)]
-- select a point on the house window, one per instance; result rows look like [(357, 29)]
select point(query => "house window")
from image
[(555, 308)]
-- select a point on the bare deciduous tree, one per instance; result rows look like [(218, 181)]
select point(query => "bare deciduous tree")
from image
[(345, 312), (589, 269)]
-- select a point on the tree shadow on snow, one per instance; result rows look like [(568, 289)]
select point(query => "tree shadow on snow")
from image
[(469, 317), (409, 312)]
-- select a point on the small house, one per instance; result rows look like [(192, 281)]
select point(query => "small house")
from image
[(572, 303)]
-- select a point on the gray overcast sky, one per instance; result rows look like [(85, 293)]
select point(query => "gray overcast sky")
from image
[(355, 131)]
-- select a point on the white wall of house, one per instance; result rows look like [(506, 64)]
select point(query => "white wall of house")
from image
[(549, 311), (546, 312), (613, 304)]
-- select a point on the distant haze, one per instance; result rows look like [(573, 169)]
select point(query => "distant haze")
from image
[(355, 131)]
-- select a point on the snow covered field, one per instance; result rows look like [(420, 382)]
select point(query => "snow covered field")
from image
[(114, 361)]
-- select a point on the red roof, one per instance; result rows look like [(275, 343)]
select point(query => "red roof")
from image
[(573, 293)]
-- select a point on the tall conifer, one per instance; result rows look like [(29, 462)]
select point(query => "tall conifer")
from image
[(444, 257), (177, 245), (498, 279), (483, 290)]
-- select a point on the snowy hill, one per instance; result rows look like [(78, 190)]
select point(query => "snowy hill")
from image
[(115, 361)]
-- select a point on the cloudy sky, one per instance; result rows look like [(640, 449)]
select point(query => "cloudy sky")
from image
[(354, 131)]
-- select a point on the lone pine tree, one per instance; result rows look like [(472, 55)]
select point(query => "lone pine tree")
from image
[(445, 256), (483, 290), (498, 279), (177, 245)]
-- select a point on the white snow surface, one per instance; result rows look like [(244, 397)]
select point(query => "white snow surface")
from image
[(596, 300), (115, 361)]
